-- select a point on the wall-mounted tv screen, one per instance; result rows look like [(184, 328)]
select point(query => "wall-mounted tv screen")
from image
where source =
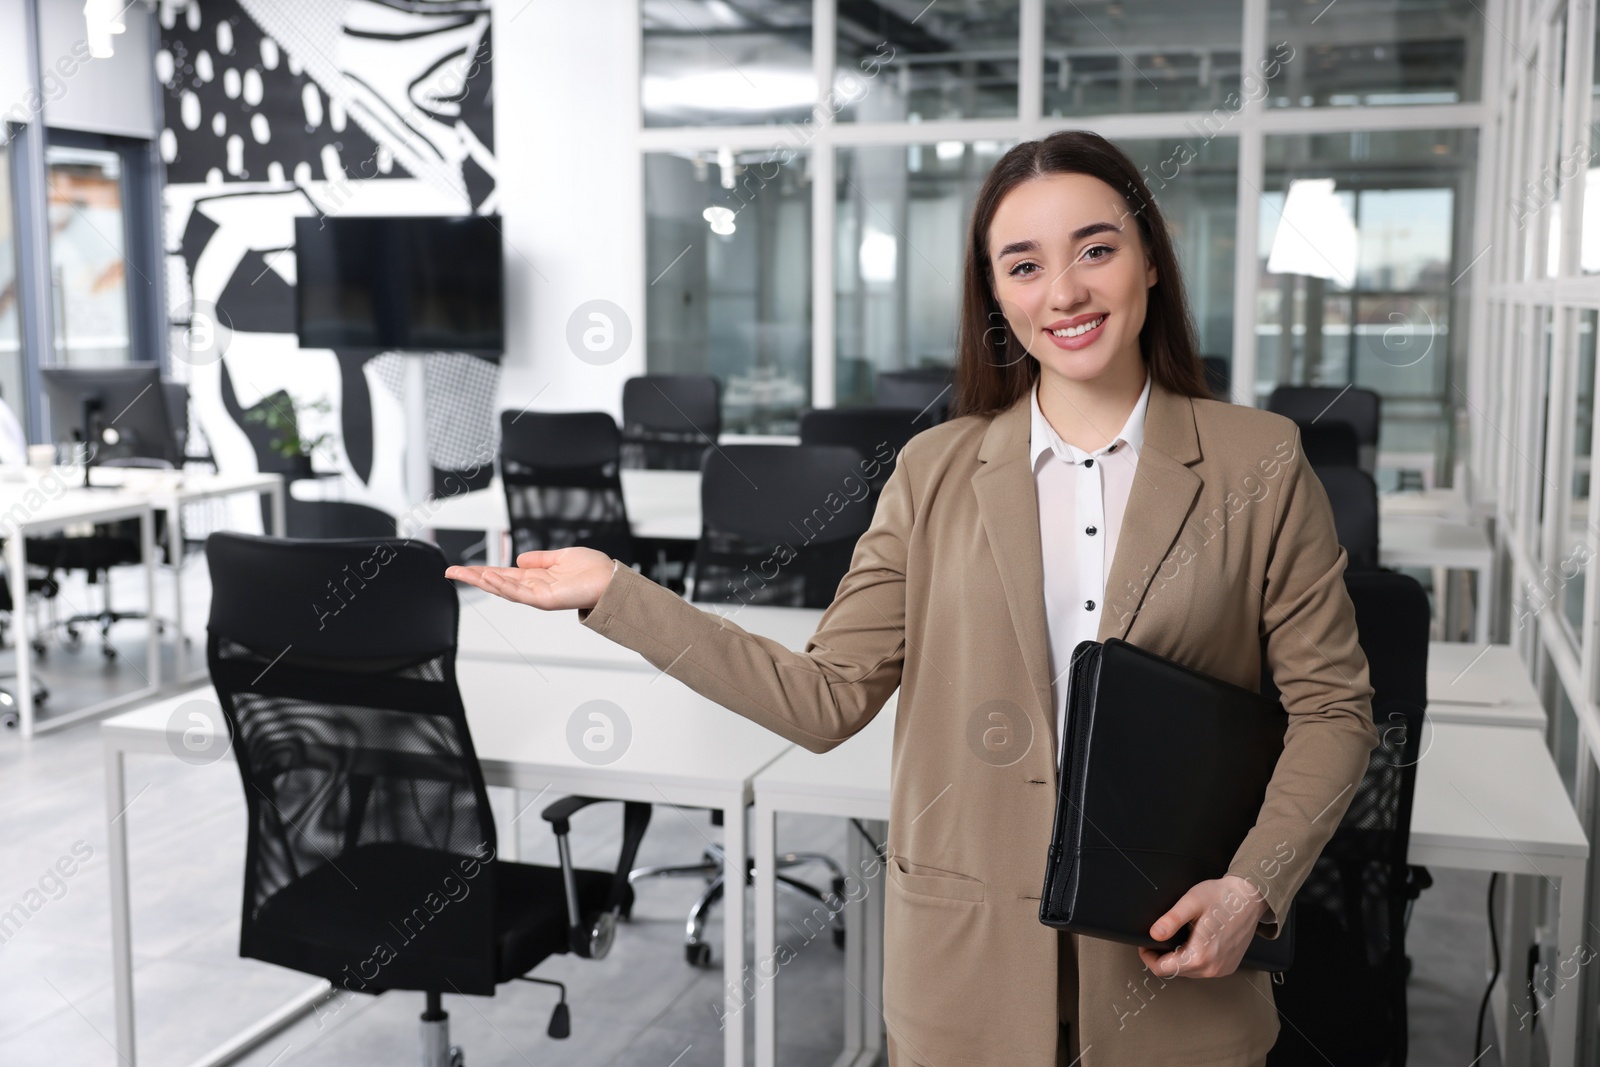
[(404, 283)]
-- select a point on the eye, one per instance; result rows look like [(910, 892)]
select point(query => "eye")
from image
[(1107, 249), (1013, 271)]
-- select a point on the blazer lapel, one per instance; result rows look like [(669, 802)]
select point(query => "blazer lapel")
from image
[(1164, 490)]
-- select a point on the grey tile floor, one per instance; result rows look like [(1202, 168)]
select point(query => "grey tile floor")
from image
[(642, 1005)]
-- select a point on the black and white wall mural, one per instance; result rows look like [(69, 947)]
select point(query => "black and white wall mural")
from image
[(278, 109)]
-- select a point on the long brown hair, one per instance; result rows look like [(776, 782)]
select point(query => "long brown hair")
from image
[(993, 367)]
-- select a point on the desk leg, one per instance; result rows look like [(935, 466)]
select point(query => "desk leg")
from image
[(280, 524), (121, 924), (872, 992), (1516, 912), (152, 648), (766, 961), (736, 846), (1566, 1006), (1480, 605), (175, 556), (17, 576), (494, 548)]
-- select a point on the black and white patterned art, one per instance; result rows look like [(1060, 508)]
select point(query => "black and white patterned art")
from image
[(276, 109)]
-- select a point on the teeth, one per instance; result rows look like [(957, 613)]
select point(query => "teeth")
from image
[(1078, 331)]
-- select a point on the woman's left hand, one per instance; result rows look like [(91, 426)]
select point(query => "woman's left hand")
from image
[(1230, 907)]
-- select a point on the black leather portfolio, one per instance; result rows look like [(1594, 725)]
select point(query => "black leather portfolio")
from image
[(1163, 772)]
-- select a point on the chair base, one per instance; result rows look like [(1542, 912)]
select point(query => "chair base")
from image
[(437, 1051)]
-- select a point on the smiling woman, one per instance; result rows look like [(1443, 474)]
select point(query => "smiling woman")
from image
[(1004, 538)]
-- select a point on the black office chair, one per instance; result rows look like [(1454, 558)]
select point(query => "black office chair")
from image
[(877, 434), (1353, 496), (1359, 408), (929, 389), (369, 824), (1330, 444), (778, 525), (562, 486), (668, 420), (1344, 1000), (770, 536)]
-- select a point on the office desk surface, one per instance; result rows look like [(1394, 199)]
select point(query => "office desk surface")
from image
[(496, 629), (1467, 673), (1491, 789)]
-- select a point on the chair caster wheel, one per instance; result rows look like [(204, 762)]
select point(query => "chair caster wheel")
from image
[(698, 955), (838, 939), (108, 652), (39, 649), (457, 1057)]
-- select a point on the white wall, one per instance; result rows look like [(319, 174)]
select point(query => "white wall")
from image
[(566, 90), (13, 58), (112, 96)]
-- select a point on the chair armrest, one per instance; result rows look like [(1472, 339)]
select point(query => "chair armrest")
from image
[(635, 819)]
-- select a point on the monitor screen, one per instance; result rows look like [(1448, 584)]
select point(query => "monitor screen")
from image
[(417, 283)]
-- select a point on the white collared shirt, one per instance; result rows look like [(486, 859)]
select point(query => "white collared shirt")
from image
[(1082, 496)]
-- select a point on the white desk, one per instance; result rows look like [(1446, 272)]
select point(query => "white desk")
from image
[(684, 750), (1483, 685), (1441, 544), (168, 492), (34, 508), (1488, 798), (661, 504), (851, 781), (496, 629)]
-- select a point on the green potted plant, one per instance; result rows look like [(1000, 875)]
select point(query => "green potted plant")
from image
[(280, 414)]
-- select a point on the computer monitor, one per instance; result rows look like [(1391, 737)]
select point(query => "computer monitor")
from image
[(121, 410)]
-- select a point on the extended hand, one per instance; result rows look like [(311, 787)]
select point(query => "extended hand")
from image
[(555, 580), (1224, 912)]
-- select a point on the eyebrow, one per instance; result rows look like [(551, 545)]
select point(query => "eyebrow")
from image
[(1077, 235)]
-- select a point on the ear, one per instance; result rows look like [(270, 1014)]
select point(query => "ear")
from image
[(1150, 277)]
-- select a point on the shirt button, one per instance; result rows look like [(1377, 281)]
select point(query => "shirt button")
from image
[(1088, 605), (1088, 463), (1090, 530)]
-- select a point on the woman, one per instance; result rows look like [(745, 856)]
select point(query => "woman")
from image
[(1200, 525)]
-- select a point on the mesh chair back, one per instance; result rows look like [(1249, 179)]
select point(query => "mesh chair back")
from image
[(562, 482), (1346, 992), (1361, 409), (929, 389), (779, 523), (877, 434), (1353, 496), (370, 834), (668, 420)]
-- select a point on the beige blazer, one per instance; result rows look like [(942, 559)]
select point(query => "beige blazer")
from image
[(1228, 538)]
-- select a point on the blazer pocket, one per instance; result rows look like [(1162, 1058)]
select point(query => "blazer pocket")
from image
[(944, 885)]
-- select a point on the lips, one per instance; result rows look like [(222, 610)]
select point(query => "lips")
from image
[(1080, 329)]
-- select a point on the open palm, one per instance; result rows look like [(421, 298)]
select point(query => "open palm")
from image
[(555, 580)]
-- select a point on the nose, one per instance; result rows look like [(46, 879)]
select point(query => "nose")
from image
[(1067, 289)]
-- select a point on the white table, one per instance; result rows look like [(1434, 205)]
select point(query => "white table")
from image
[(684, 750), (661, 504), (1488, 798), (168, 492), (496, 629), (1484, 685), (1441, 544), (37, 507), (851, 781)]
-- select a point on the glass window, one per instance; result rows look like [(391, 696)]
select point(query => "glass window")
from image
[(1578, 547), (1567, 743), (711, 63), (909, 60), (902, 220), (1590, 253), (1374, 52), (1357, 253), (88, 265), (728, 255), (11, 390), (1142, 55)]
